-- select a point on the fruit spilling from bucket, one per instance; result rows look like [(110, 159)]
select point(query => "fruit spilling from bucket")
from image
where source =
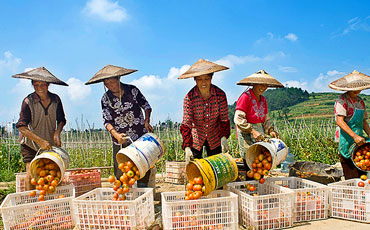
[(261, 166), (361, 158), (195, 189), (122, 186), (48, 178)]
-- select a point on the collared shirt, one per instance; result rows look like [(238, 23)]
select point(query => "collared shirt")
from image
[(254, 110), (345, 106), (205, 119), (40, 120), (126, 116)]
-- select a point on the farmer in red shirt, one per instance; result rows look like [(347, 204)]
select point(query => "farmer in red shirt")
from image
[(350, 116), (205, 121), (251, 118)]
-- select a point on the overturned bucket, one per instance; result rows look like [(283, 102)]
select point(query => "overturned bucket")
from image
[(276, 147), (144, 152), (216, 171), (58, 155)]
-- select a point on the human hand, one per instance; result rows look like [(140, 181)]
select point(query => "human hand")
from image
[(122, 138), (57, 141), (274, 134), (359, 140), (255, 134), (45, 145), (224, 145), (148, 126), (188, 155)]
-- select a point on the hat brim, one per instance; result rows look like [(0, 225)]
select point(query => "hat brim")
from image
[(101, 77), (40, 74)]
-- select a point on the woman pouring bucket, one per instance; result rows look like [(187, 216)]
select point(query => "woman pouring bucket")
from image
[(41, 118), (251, 117), (351, 118), (122, 107)]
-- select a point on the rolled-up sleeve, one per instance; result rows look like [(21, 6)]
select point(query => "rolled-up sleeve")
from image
[(24, 115)]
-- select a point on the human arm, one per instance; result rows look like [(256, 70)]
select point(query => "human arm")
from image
[(144, 104), (120, 137), (147, 120), (268, 128), (242, 124), (343, 125), (366, 127), (185, 128), (44, 144), (61, 121)]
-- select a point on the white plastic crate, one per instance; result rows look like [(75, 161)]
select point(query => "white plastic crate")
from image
[(218, 210), (311, 200), (84, 182), (96, 210), (175, 172), (20, 182), (349, 201), (20, 211), (272, 208)]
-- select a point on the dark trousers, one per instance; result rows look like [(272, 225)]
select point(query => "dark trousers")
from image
[(349, 169), (142, 183), (210, 152)]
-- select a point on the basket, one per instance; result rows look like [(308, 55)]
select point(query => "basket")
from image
[(84, 181), (311, 199), (315, 171), (218, 210), (272, 208), (349, 201), (175, 172), (96, 210), (22, 212)]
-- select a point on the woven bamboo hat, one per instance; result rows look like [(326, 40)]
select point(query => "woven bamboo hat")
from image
[(351, 82), (40, 74), (109, 71), (261, 77), (202, 67)]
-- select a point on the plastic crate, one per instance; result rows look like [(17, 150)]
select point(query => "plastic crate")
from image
[(272, 208), (84, 182), (311, 200), (218, 210), (20, 182), (175, 172), (349, 201), (96, 210), (20, 211)]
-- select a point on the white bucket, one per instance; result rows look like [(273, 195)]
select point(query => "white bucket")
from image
[(276, 147), (58, 155), (144, 152)]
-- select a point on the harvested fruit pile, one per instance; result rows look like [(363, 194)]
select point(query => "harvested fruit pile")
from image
[(122, 186), (261, 166), (48, 178), (363, 183), (361, 158), (195, 189)]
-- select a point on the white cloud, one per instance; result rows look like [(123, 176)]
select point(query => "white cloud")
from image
[(231, 60), (77, 90), (334, 73), (106, 10), (296, 84), (9, 63), (176, 72), (148, 82), (320, 84), (291, 37), (287, 69)]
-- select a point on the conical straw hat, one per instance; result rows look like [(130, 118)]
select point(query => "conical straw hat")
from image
[(40, 74), (109, 71), (262, 78), (351, 82), (202, 67)]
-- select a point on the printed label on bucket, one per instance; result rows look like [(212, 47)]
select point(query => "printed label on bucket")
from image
[(149, 148), (222, 168)]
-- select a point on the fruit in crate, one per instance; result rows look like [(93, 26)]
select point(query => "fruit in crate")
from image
[(122, 185), (361, 184), (49, 175), (361, 157), (363, 177), (261, 165), (195, 189)]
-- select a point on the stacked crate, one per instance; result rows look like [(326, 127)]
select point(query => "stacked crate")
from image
[(349, 201), (311, 199), (96, 210), (20, 211), (218, 210), (84, 180), (175, 172), (268, 206)]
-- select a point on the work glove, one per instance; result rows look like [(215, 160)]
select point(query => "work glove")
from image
[(224, 145), (188, 155)]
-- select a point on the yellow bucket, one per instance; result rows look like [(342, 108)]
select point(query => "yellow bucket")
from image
[(216, 171)]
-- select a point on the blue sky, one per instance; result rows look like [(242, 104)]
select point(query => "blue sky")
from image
[(304, 44)]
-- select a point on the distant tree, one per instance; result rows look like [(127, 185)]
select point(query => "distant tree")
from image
[(278, 99)]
